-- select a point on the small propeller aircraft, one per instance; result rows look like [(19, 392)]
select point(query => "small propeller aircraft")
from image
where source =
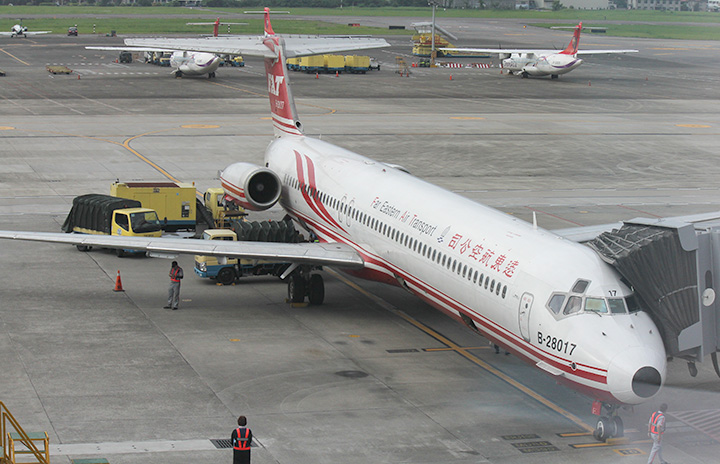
[(528, 62), (18, 30)]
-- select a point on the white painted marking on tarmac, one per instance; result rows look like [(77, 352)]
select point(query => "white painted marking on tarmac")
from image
[(128, 447)]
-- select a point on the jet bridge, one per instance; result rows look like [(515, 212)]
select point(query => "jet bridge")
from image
[(674, 267)]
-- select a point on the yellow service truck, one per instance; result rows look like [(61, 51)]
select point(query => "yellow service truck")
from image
[(108, 215), (175, 203), (222, 212)]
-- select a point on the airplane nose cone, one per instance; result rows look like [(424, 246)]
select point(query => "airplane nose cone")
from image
[(646, 382), (636, 375)]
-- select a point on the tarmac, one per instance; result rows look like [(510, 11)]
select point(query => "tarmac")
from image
[(374, 374)]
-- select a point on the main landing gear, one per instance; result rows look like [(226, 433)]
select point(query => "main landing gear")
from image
[(301, 284), (609, 425)]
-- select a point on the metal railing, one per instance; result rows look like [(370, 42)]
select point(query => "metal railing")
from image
[(7, 420)]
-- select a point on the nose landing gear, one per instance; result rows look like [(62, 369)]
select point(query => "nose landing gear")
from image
[(610, 425)]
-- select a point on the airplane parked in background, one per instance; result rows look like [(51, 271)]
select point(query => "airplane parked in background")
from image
[(542, 62), (21, 31), (200, 56), (184, 63), (549, 300)]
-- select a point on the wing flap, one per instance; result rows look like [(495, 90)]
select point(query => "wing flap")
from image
[(328, 254)]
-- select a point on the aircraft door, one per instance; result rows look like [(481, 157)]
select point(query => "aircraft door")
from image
[(524, 315)]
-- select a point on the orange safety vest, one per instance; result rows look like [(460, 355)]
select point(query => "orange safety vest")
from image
[(242, 443), (174, 273), (655, 422)]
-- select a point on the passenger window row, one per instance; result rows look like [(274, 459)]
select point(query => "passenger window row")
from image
[(475, 276)]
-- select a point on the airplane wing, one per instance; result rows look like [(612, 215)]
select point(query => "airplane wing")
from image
[(295, 46), (603, 52), (587, 233), (131, 49), (327, 254), (498, 51), (8, 34)]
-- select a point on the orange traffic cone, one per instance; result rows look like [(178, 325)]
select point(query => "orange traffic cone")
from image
[(450, 76), (337, 73), (317, 76), (118, 284)]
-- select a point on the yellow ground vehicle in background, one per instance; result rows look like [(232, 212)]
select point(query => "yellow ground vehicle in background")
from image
[(175, 203), (108, 215)]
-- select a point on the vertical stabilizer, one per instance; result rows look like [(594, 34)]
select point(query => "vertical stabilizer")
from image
[(282, 105), (268, 26), (572, 47)]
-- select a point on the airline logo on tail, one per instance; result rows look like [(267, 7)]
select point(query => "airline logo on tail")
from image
[(572, 47), (284, 116)]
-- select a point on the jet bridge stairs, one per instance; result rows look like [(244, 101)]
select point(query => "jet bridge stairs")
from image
[(674, 267)]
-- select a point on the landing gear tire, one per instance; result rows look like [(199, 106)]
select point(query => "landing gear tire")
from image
[(524, 75), (226, 276), (693, 369), (609, 427), (211, 75), (178, 74), (553, 76), (619, 427), (316, 293), (120, 252), (296, 289), (84, 247), (603, 429)]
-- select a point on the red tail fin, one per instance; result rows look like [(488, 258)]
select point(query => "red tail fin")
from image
[(268, 26), (572, 47), (216, 27), (282, 105)]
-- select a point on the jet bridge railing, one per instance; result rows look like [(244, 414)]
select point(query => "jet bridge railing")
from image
[(673, 267)]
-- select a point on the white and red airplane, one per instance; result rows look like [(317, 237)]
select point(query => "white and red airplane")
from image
[(528, 62), (549, 300), (18, 30)]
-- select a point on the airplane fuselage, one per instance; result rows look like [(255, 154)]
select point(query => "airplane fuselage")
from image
[(538, 64), (18, 30), (496, 273), (194, 63)]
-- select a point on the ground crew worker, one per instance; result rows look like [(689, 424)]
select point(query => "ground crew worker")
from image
[(241, 439), (656, 428), (176, 274)]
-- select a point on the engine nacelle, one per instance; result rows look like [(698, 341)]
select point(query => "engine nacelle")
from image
[(253, 187)]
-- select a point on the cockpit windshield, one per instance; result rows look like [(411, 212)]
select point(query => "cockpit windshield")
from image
[(562, 304)]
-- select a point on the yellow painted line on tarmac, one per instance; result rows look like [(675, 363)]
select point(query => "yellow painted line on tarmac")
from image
[(127, 146), (465, 353), (14, 57), (694, 126), (7, 128), (453, 349), (200, 126)]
